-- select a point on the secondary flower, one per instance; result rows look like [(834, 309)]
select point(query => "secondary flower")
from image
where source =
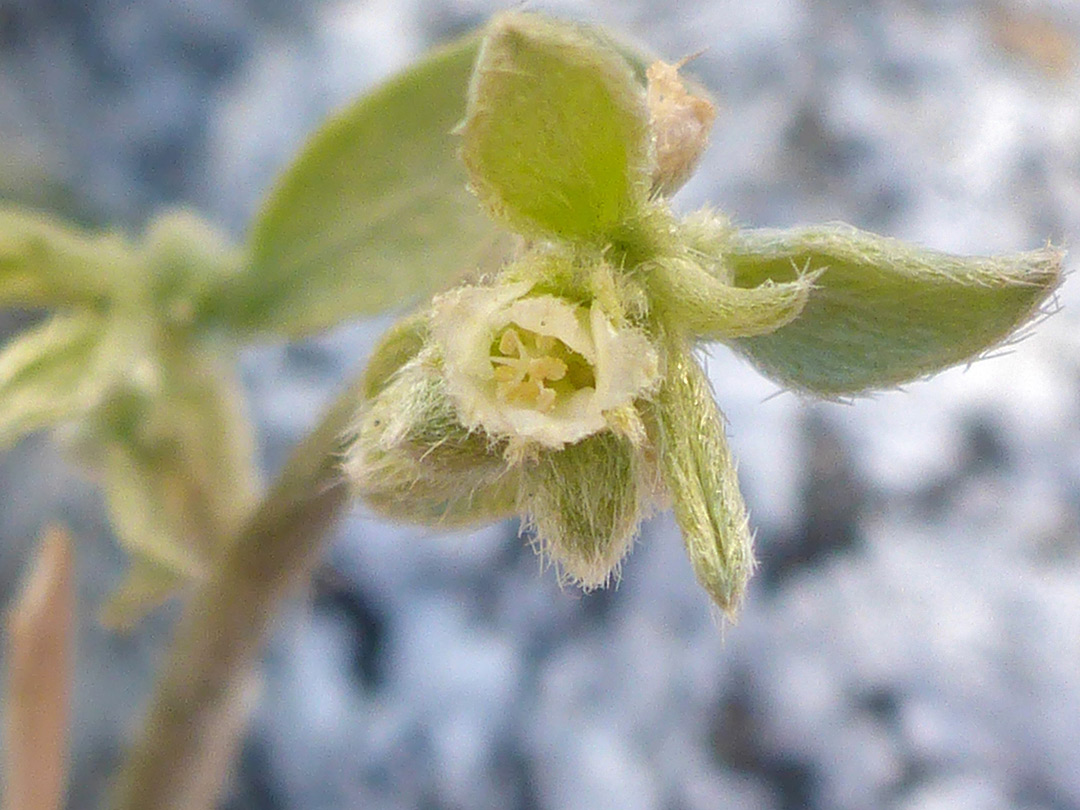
[(564, 387)]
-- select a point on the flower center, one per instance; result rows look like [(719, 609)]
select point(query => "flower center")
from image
[(534, 370)]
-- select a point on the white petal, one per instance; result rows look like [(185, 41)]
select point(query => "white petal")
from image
[(548, 315), (626, 364)]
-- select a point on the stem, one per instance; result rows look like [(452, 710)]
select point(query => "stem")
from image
[(39, 644), (202, 700)]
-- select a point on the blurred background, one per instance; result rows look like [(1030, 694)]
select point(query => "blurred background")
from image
[(912, 637)]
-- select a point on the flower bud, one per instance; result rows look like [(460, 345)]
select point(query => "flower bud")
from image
[(411, 459), (680, 122)]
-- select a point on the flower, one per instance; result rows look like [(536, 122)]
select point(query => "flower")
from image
[(537, 368), (564, 387), (517, 401)]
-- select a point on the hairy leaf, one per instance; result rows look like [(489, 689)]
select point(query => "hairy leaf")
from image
[(47, 262), (374, 213), (47, 374), (881, 312)]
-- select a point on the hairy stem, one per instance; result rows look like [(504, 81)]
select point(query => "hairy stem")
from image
[(202, 699)]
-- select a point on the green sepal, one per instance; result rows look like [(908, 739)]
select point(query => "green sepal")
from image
[(398, 345), (704, 306), (47, 374), (432, 503), (881, 312), (556, 133), (410, 459), (585, 503), (374, 212), (687, 431), (46, 262), (149, 507)]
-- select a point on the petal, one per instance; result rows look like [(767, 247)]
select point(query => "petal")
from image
[(548, 315), (465, 321), (627, 365)]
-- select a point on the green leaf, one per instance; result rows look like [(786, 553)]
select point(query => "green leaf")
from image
[(47, 375), (882, 312), (585, 503), (47, 262), (699, 471), (177, 468), (556, 135), (373, 213)]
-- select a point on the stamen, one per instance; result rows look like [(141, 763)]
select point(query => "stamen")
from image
[(510, 343), (526, 365), (547, 368)]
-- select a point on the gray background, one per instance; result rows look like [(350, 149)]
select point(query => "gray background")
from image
[(912, 639)]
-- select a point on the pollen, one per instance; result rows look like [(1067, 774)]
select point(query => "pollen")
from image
[(532, 370)]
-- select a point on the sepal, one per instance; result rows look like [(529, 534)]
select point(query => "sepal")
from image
[(585, 504), (411, 459), (555, 135), (707, 308), (46, 262), (699, 472)]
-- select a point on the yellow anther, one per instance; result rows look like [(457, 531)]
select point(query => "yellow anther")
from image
[(547, 368), (510, 343), (505, 373), (527, 363)]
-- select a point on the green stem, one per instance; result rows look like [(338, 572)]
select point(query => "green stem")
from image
[(201, 701)]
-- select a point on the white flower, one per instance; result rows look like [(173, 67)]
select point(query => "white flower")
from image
[(537, 368)]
